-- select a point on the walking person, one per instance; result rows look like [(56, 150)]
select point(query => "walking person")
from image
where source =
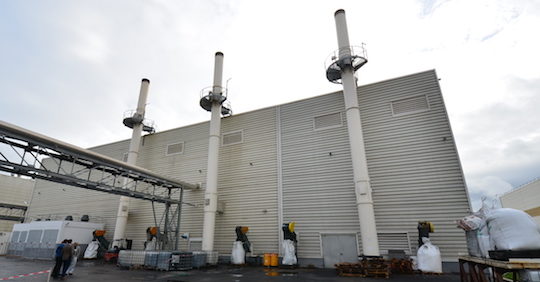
[(67, 253), (58, 259), (74, 257)]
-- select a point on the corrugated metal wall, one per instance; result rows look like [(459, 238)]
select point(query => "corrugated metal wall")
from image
[(413, 164), (317, 173), (412, 160), (15, 191), (248, 181)]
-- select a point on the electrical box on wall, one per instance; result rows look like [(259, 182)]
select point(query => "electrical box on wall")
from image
[(220, 207)]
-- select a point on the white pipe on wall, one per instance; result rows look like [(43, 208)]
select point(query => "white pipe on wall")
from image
[(210, 194), (133, 153), (364, 202)]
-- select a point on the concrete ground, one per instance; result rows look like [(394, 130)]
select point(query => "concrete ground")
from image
[(98, 271)]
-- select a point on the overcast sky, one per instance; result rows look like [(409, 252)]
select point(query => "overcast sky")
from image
[(70, 69)]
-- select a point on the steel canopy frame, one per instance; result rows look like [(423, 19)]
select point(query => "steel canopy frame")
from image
[(12, 212), (41, 157)]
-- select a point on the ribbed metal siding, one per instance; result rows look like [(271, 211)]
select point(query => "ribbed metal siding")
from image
[(317, 174), (414, 168), (190, 166), (413, 164), (17, 191), (248, 182)]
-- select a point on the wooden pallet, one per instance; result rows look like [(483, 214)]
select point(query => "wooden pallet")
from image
[(401, 266), (367, 267), (379, 275), (351, 275), (432, 273)]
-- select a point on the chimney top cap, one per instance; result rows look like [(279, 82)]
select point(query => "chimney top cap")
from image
[(339, 11)]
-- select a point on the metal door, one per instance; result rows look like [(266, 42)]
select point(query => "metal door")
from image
[(338, 248)]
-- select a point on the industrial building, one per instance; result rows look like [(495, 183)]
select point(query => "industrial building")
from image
[(355, 170), (525, 197), (292, 162)]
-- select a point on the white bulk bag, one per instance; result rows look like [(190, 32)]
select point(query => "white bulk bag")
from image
[(484, 241), (91, 250), (429, 257), (289, 256), (238, 255), (511, 229)]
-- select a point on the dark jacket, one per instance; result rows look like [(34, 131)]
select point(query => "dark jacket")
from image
[(67, 252)]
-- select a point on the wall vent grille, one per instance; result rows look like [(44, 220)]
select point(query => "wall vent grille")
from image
[(395, 241), (231, 138), (327, 121), (176, 148), (410, 105)]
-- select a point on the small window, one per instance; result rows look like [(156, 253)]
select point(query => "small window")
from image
[(125, 157), (176, 148), (327, 121), (231, 138), (34, 236), (22, 237), (15, 237), (410, 105), (49, 236)]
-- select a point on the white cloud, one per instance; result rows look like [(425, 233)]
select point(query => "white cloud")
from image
[(487, 188), (90, 47), (490, 186)]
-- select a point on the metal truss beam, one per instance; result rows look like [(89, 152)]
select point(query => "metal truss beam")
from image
[(41, 157), (12, 212), (12, 206), (12, 218)]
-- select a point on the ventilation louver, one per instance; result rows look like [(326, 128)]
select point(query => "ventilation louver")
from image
[(232, 138), (410, 105), (176, 148), (327, 121)]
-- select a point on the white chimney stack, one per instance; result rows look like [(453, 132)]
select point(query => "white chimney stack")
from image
[(136, 121), (347, 63), (210, 194)]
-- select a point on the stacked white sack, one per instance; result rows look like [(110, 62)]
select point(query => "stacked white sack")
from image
[(511, 229), (476, 231)]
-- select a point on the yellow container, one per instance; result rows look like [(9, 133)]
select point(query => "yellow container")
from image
[(266, 260), (274, 260)]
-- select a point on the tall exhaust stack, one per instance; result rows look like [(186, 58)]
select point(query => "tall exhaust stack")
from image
[(341, 69), (212, 101), (134, 120)]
